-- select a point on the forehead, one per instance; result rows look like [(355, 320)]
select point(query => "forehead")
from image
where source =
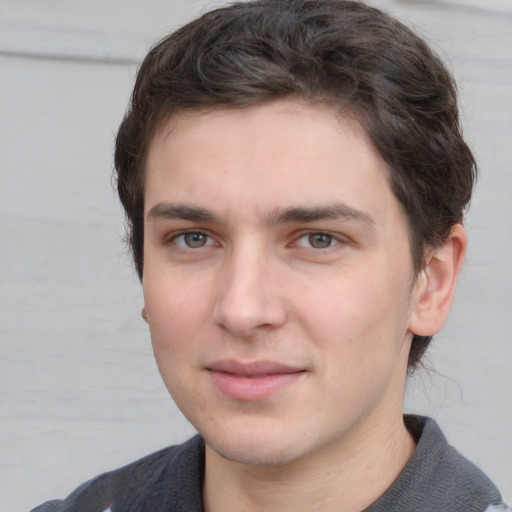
[(275, 155)]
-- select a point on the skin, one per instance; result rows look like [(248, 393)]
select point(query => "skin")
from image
[(272, 237)]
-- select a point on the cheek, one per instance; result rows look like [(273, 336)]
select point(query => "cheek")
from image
[(358, 310), (174, 342), (173, 302), (172, 317), (345, 303)]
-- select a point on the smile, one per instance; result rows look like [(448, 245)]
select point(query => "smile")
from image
[(252, 382)]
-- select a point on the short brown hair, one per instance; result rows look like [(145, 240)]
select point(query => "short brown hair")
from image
[(339, 53)]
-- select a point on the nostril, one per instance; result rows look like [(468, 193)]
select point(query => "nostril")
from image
[(242, 318)]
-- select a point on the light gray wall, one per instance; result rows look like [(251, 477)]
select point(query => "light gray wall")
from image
[(80, 391)]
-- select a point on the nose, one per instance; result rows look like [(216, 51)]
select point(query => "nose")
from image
[(249, 298)]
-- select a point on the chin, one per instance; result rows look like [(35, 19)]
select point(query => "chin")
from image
[(253, 455), (254, 448)]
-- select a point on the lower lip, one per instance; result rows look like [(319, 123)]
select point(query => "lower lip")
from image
[(251, 389)]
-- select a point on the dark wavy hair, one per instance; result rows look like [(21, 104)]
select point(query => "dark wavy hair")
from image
[(339, 53)]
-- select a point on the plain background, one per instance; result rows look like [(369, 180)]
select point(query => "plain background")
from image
[(80, 392)]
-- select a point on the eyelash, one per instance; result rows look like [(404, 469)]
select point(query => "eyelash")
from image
[(333, 240), (184, 234)]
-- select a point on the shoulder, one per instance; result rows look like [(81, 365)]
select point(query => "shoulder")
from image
[(438, 477), (151, 483)]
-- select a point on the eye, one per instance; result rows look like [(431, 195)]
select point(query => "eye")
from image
[(193, 240), (317, 240)]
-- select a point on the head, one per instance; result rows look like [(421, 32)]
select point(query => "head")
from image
[(340, 55)]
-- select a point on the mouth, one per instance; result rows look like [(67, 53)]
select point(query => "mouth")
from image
[(253, 381)]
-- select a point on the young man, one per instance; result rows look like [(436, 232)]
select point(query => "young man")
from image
[(294, 180)]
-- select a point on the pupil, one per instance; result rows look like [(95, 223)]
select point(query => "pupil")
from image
[(320, 241), (195, 239)]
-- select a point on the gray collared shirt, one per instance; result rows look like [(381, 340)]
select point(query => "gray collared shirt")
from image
[(437, 478)]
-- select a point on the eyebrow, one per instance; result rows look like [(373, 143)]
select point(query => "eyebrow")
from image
[(316, 213), (180, 211), (285, 216)]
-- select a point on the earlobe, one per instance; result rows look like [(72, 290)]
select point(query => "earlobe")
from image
[(435, 286)]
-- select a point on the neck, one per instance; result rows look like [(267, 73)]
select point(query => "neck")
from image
[(346, 475)]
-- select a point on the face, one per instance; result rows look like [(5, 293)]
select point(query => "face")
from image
[(278, 281)]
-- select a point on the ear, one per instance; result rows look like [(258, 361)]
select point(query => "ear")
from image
[(144, 314), (435, 286)]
